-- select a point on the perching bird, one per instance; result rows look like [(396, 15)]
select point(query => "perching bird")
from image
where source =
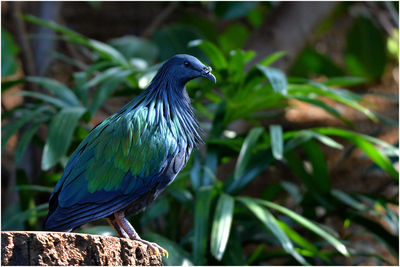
[(132, 156)]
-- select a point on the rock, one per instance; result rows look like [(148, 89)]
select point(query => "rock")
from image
[(45, 248)]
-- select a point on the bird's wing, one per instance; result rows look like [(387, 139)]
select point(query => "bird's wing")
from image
[(121, 159)]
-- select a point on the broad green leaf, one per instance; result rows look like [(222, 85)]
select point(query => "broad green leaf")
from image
[(270, 222), (24, 141), (177, 256), (200, 231), (234, 37), (59, 136), (234, 10), (134, 47), (276, 78), (276, 141), (213, 53), (46, 98), (307, 224), (174, 39), (221, 225), (109, 52), (246, 151), (272, 58), (11, 128), (105, 90), (58, 89)]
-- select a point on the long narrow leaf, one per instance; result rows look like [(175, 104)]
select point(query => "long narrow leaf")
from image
[(308, 224), (276, 77), (246, 150), (58, 89), (272, 225), (24, 141), (46, 98), (201, 214), (276, 141), (221, 225), (214, 54), (60, 134), (11, 128), (364, 143)]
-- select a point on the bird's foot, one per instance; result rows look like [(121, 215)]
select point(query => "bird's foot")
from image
[(155, 247)]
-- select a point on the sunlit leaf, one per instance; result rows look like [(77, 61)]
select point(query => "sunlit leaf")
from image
[(221, 225)]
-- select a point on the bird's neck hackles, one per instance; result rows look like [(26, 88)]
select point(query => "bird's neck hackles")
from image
[(168, 105)]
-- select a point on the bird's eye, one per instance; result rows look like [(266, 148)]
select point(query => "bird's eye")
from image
[(187, 64)]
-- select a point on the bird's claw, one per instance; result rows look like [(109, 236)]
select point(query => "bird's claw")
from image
[(156, 248)]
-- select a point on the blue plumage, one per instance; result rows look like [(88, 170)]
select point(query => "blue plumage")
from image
[(132, 156)]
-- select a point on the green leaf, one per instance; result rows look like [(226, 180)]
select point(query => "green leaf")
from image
[(109, 52), (234, 10), (270, 222), (341, 96), (177, 256), (311, 63), (11, 128), (308, 224), (9, 50), (60, 133), (5, 85), (319, 166), (213, 53), (71, 35), (276, 78), (293, 235), (24, 141), (272, 58), (234, 37), (174, 39), (106, 89), (344, 81), (221, 225), (364, 143), (37, 188), (201, 213), (276, 141), (246, 151), (134, 47), (58, 89), (46, 98), (365, 53)]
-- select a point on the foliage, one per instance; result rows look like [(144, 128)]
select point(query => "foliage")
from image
[(224, 218)]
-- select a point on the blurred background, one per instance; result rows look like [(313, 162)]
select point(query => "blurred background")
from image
[(300, 162)]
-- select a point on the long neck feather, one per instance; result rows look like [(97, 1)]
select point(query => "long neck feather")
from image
[(168, 105)]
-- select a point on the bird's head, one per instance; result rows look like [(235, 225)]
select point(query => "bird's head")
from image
[(183, 68)]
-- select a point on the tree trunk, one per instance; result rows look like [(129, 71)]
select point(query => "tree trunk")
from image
[(44, 248)]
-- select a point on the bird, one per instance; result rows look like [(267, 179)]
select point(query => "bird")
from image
[(127, 160)]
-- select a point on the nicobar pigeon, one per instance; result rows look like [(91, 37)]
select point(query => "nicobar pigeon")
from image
[(127, 160)]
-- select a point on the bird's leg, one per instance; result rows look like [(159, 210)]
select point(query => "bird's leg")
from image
[(120, 231), (130, 231)]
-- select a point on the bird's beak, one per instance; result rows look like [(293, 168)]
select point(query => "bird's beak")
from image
[(206, 73)]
